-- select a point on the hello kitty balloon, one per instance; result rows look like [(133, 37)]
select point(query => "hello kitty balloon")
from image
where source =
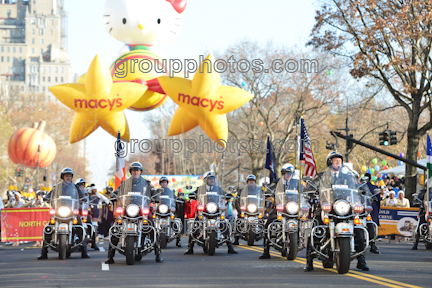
[(142, 24)]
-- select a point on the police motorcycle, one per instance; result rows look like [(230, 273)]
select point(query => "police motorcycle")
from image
[(250, 225), (210, 230), (341, 206), (367, 198), (65, 232), (133, 230), (425, 223), (166, 224), (285, 233)]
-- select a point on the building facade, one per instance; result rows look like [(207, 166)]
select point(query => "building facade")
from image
[(33, 46)]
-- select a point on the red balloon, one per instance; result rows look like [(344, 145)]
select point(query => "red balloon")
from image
[(386, 167)]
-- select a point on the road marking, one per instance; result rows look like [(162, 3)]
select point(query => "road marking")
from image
[(101, 249), (105, 267), (354, 274)]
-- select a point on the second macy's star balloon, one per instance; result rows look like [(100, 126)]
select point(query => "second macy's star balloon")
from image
[(203, 101), (98, 102)]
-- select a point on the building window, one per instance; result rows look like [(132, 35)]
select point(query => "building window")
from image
[(22, 88), (41, 31), (20, 50), (56, 79), (32, 21), (22, 69), (43, 89), (34, 12), (2, 59), (43, 79), (42, 41), (33, 51), (8, 49), (13, 70), (56, 69), (37, 88), (7, 59), (13, 32), (49, 70), (41, 51), (33, 31), (43, 69), (32, 40), (14, 49), (49, 79), (62, 69), (7, 69), (61, 79)]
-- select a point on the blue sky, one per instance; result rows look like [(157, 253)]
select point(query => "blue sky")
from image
[(208, 26)]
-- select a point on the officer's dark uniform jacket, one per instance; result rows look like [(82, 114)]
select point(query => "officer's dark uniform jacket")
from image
[(134, 185), (168, 194), (65, 189)]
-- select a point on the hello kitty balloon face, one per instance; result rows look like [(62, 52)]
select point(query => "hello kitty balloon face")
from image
[(145, 22)]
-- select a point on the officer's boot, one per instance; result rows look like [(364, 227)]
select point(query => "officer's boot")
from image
[(111, 254), (84, 253), (158, 251), (266, 253), (94, 245), (190, 246), (361, 263), (309, 259), (374, 248), (44, 253), (231, 249), (178, 241), (416, 241), (236, 241)]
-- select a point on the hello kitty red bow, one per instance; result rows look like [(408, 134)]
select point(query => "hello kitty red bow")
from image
[(179, 5)]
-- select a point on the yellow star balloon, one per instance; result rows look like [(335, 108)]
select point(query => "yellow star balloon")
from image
[(98, 102), (202, 101)]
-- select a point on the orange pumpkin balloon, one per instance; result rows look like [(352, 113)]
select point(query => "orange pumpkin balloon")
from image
[(24, 143), (261, 123)]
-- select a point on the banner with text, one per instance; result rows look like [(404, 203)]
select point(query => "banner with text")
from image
[(397, 221), (23, 224)]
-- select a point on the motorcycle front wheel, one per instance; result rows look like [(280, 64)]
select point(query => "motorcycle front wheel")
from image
[(251, 237), (212, 242), (343, 257), (293, 246), (63, 246), (130, 250), (163, 240)]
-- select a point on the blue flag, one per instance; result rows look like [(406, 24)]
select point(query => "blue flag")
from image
[(270, 162), (429, 156)]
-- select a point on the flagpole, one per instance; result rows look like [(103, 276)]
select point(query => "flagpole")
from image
[(299, 183)]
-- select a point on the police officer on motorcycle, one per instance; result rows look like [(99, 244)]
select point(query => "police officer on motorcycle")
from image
[(64, 187), (251, 183), (421, 218), (288, 172), (209, 181), (334, 161), (136, 183)]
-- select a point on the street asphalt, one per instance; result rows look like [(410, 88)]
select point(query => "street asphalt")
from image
[(396, 266)]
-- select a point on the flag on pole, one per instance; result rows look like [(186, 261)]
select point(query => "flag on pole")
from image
[(269, 161), (306, 153), (429, 157), (120, 174)]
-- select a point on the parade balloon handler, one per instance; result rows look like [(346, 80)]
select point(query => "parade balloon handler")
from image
[(180, 213), (210, 185), (68, 189)]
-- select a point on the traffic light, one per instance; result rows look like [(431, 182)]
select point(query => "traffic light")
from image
[(384, 137), (350, 143), (44, 178), (18, 172), (393, 138)]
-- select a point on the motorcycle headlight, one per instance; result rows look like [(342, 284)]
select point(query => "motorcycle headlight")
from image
[(132, 210), (292, 207), (211, 208), (163, 209), (64, 211), (341, 207), (252, 208)]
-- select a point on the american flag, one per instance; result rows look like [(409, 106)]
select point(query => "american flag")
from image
[(120, 174), (306, 153)]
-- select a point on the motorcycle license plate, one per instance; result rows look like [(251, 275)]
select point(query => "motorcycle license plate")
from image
[(163, 222), (251, 219), (131, 228)]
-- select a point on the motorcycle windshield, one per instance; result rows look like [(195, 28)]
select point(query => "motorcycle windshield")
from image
[(65, 201), (136, 198), (287, 192), (211, 192), (165, 199), (341, 186), (366, 194), (252, 195)]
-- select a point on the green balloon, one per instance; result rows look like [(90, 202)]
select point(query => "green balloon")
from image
[(329, 72), (362, 175), (372, 170), (384, 162), (374, 161), (374, 178), (390, 167)]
